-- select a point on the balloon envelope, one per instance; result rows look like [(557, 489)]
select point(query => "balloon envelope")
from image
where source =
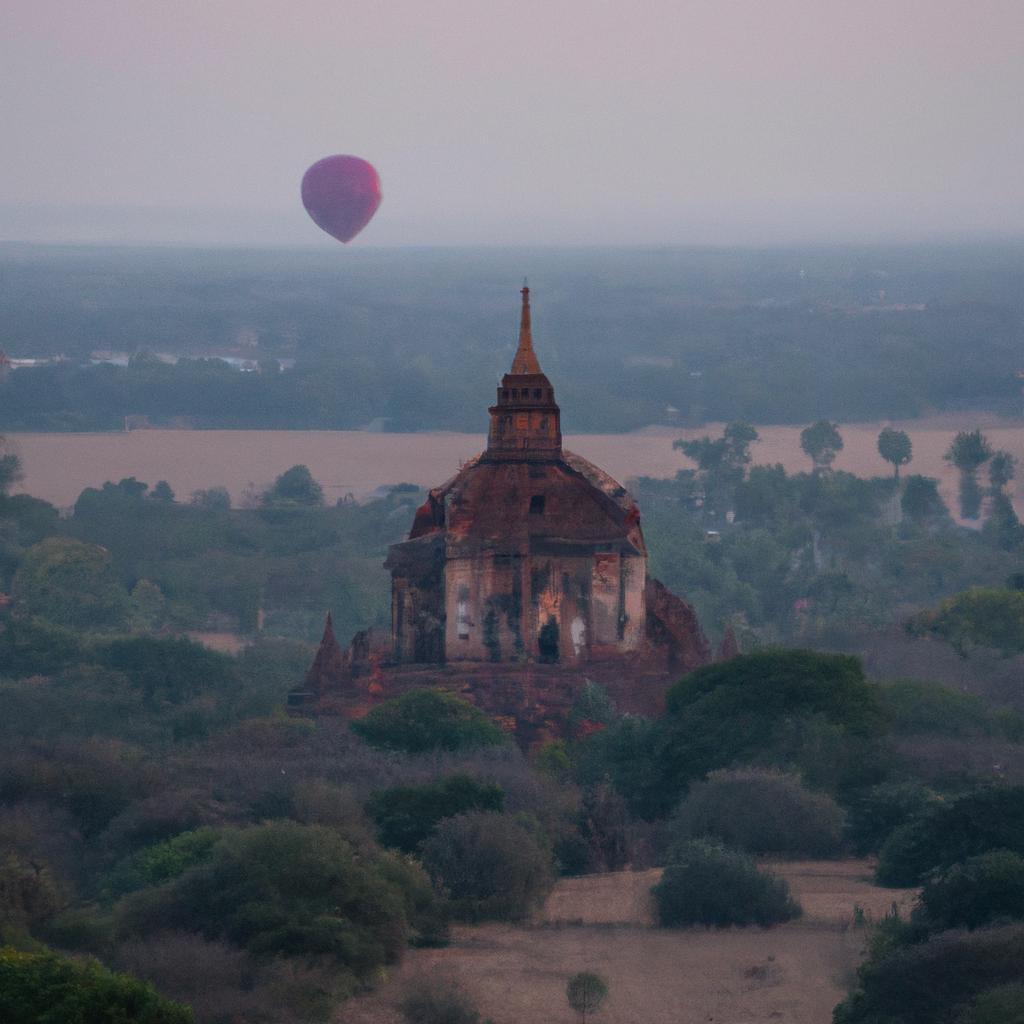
[(341, 194)]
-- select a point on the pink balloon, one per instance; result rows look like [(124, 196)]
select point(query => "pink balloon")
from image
[(341, 194)]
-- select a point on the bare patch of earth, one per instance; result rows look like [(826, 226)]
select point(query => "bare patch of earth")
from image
[(793, 973)]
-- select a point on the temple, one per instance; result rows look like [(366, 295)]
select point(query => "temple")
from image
[(530, 557)]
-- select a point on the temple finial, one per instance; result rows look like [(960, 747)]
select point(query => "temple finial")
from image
[(525, 360)]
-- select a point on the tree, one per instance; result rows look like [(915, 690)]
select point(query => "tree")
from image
[(586, 992), (821, 442), (162, 492), (213, 498), (492, 866), (968, 451), (1001, 470), (921, 500), (423, 720), (72, 584), (895, 446), (295, 487), (722, 461), (40, 988), (10, 467)]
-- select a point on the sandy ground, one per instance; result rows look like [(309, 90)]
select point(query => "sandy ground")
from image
[(794, 973), (59, 466)]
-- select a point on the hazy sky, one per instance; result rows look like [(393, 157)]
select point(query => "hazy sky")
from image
[(562, 121)]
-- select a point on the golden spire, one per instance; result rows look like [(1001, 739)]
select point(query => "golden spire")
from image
[(525, 360)]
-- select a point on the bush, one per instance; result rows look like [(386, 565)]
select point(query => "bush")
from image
[(162, 861), (1003, 1004), (783, 707), (761, 812), (290, 890), (430, 999), (43, 988), (916, 707), (491, 866), (707, 884), (981, 890), (407, 815), (874, 814), (988, 818), (425, 720), (931, 982)]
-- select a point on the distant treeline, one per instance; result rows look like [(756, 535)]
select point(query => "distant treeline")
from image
[(417, 339)]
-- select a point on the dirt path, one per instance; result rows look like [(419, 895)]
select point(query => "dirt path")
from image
[(59, 466), (794, 973)]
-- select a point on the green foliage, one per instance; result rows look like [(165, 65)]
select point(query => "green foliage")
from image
[(968, 450), (1003, 1004), (821, 442), (71, 584), (979, 617), (976, 892), (761, 812), (591, 706), (407, 815), (708, 884), (752, 706), (35, 647), (586, 992), (491, 866), (170, 669), (28, 892), (915, 707), (876, 812), (431, 999), (423, 720), (162, 862), (295, 487), (284, 889), (921, 501), (895, 447), (1001, 470), (43, 988), (988, 818), (932, 982)]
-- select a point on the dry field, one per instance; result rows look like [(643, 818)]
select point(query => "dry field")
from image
[(793, 974), (59, 466)]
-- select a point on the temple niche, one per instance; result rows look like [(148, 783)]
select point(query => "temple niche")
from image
[(523, 576)]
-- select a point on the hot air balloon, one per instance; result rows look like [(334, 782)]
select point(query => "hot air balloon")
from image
[(341, 194)]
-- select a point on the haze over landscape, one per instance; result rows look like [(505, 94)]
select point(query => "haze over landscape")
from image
[(515, 123), (696, 696)]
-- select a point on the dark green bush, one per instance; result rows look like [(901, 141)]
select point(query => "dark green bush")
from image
[(761, 812), (407, 815), (707, 884), (915, 707), (162, 861), (43, 988), (424, 720), (983, 889), (932, 982), (875, 813), (172, 669), (491, 866), (284, 889), (1003, 1004), (987, 818), (430, 999)]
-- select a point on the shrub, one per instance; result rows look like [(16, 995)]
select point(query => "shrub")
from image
[(931, 982), (982, 889), (874, 814), (491, 866), (285, 889), (1003, 1004), (43, 988), (776, 706), (987, 818), (586, 992), (28, 892), (162, 861), (761, 812), (424, 720), (916, 707), (707, 884), (407, 815), (429, 999)]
